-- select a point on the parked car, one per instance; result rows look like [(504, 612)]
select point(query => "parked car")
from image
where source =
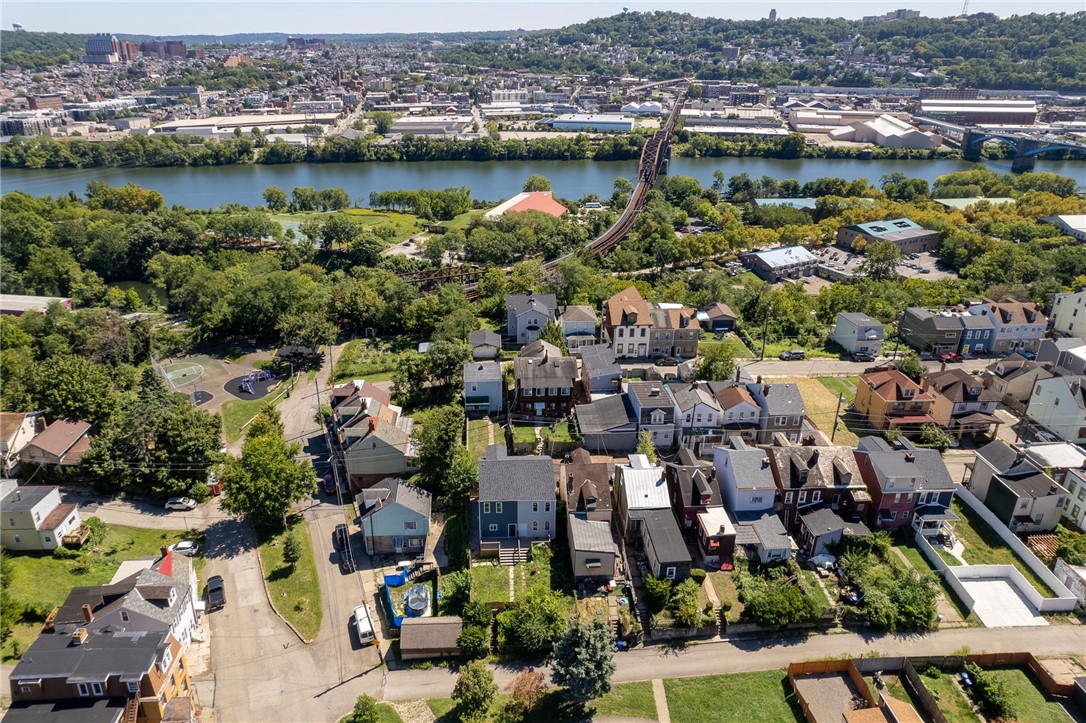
[(180, 503), (668, 362), (216, 593), (1028, 355), (329, 484), (863, 356), (950, 357), (793, 355), (188, 548), (341, 537)]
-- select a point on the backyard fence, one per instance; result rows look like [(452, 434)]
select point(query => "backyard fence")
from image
[(821, 667)]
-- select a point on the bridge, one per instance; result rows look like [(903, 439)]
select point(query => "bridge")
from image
[(654, 160), (1027, 144)]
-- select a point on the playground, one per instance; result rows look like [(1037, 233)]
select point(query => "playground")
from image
[(256, 384)]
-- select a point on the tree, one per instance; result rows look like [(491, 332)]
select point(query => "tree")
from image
[(474, 691), (462, 475), (269, 477), (474, 641), (365, 711), (457, 326), (527, 689), (292, 549), (931, 435), (536, 623), (438, 441), (584, 660), (716, 364), (552, 334), (911, 366), (382, 122), (537, 182), (73, 386), (880, 260), (275, 197), (646, 446)]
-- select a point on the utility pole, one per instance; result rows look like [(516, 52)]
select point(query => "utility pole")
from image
[(837, 415), (765, 329)]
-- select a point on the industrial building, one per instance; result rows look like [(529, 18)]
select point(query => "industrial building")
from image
[(821, 120), (887, 131), (781, 264), (908, 236), (432, 125), (580, 122), (974, 112)]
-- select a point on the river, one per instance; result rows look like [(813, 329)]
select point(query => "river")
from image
[(211, 186)]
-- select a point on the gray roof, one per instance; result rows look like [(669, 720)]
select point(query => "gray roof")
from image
[(393, 490), (519, 303), (751, 466), (539, 348), (590, 535), (505, 478), (1003, 457), (663, 532), (76, 710), (481, 337), (1034, 486), (926, 465), (579, 313), (783, 400), (823, 521), (770, 532), (150, 596), (688, 396), (859, 319), (28, 496), (483, 371), (599, 360), (430, 633), (604, 414), (559, 371), (104, 653), (643, 391)]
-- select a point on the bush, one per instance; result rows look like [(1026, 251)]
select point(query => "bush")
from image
[(456, 592), (64, 553), (658, 592), (365, 711), (990, 693), (97, 531), (698, 575), (474, 641), (477, 613)]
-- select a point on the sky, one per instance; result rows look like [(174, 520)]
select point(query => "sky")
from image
[(191, 17)]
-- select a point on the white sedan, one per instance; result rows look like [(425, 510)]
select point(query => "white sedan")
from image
[(180, 503)]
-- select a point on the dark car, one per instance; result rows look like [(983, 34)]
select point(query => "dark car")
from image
[(668, 362), (341, 537), (793, 355), (216, 593), (329, 484), (1028, 355), (863, 356)]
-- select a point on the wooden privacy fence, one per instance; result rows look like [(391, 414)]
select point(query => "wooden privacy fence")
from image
[(821, 667), (993, 660)]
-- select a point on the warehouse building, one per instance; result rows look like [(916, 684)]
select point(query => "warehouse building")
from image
[(781, 264), (908, 236), (974, 112), (599, 123)]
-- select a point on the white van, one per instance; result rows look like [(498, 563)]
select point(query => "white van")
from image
[(364, 624)]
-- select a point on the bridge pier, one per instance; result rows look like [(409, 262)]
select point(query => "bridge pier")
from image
[(665, 160), (1023, 164), (970, 151)]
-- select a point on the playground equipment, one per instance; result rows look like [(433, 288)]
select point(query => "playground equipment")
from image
[(246, 384)]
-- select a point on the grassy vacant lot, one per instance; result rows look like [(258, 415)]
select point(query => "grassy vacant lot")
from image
[(920, 563), (478, 437), (984, 547), (725, 590), (43, 581), (463, 220), (841, 385), (952, 702), (371, 359), (552, 572), (810, 583), (403, 225), (490, 583), (821, 404), (894, 687), (740, 698), (525, 433), (1030, 703), (633, 700), (736, 347), (294, 589)]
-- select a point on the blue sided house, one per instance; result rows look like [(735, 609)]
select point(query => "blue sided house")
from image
[(516, 496)]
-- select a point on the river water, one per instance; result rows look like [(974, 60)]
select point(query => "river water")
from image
[(208, 187)]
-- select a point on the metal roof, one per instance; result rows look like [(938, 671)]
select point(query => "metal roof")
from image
[(591, 535)]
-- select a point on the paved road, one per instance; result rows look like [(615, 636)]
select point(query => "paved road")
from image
[(826, 367)]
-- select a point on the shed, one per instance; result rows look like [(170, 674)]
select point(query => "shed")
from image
[(430, 637)]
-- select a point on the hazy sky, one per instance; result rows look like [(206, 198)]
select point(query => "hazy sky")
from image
[(188, 17)]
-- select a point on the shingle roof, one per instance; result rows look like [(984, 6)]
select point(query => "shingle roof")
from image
[(599, 360), (430, 633), (643, 391), (663, 533), (825, 520), (10, 423), (520, 303), (104, 653), (579, 313), (782, 399), (65, 438), (584, 479), (625, 303), (487, 337), (688, 396), (751, 466), (393, 490), (515, 478), (552, 371), (77, 710), (717, 310), (955, 385), (539, 349), (483, 371), (825, 466), (892, 385), (24, 497), (590, 535), (604, 414)]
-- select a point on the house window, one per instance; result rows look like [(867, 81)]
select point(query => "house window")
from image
[(493, 527), (565, 391), (1024, 505), (802, 497), (621, 331), (669, 573), (592, 563), (787, 498), (643, 330), (527, 391), (756, 500), (24, 688), (816, 496), (83, 688), (547, 525), (414, 542), (133, 686), (546, 506), (37, 516), (535, 525), (552, 391), (893, 515), (780, 421), (620, 348), (486, 508), (17, 539), (904, 514), (1074, 512), (410, 524), (124, 616), (498, 508), (535, 507), (167, 658)]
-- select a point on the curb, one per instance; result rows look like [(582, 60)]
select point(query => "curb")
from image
[(267, 593)]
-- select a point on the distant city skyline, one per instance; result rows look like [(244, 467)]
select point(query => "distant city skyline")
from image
[(184, 17)]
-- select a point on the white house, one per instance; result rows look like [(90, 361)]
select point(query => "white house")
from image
[(1069, 313), (34, 518), (1059, 405), (639, 485), (578, 326), (16, 431), (484, 388), (856, 332), (697, 412), (745, 477)]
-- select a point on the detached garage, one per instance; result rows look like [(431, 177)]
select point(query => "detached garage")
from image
[(430, 637)]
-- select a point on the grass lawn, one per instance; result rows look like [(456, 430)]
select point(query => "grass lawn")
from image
[(526, 432), (984, 547), (763, 697), (894, 687), (952, 702), (478, 437), (552, 572), (490, 583), (403, 225), (237, 413), (463, 220), (841, 385), (294, 590), (920, 563), (822, 404), (814, 590), (371, 359), (736, 347), (725, 590), (1030, 703), (627, 700), (387, 714), (44, 581)]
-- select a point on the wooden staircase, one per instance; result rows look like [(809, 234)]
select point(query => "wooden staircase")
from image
[(131, 709), (512, 555)]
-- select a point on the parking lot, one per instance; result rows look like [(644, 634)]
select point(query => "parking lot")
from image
[(837, 264)]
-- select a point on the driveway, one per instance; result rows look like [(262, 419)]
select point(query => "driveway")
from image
[(999, 604), (139, 513)]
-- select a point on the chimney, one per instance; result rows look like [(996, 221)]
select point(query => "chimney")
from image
[(373, 423), (79, 636), (88, 616), (765, 389), (924, 384), (738, 371), (164, 550), (654, 392), (910, 457), (18, 494)]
